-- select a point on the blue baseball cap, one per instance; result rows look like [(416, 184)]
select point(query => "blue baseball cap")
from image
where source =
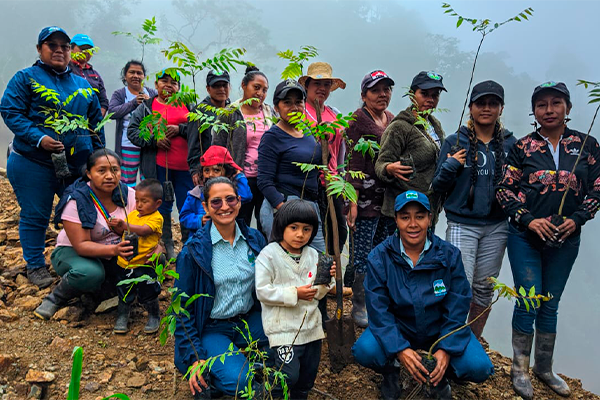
[(82, 40), (49, 30), (409, 197)]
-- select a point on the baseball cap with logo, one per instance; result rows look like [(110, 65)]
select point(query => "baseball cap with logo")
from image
[(427, 80), (411, 196), (82, 40), (49, 30), (215, 76), (284, 87), (551, 85), (373, 78)]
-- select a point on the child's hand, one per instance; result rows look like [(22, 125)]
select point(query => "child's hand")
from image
[(332, 270), (117, 225), (205, 219), (306, 292)]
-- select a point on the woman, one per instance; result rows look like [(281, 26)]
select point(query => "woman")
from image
[(82, 49), (87, 248), (541, 252), (369, 123), (122, 104), (242, 142), (405, 143), (218, 261), (279, 178), (167, 154), (467, 179), (30, 169)]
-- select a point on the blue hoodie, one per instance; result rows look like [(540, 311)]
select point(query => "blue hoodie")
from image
[(196, 276), (453, 181), (413, 307)]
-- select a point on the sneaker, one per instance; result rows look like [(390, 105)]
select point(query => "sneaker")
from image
[(40, 277)]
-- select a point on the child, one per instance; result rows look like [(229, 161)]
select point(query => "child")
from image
[(216, 161), (147, 222), (285, 271)]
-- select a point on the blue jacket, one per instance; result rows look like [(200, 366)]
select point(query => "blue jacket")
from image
[(195, 276), (453, 181), (21, 108), (413, 307), (191, 213)]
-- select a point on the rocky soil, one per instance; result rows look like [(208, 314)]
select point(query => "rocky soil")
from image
[(35, 355)]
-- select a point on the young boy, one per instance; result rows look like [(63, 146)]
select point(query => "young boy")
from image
[(147, 222)]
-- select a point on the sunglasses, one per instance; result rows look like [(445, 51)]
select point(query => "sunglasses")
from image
[(54, 46), (217, 202)]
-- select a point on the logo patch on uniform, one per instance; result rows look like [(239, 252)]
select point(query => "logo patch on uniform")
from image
[(285, 353), (310, 274), (251, 257), (412, 195), (439, 289)]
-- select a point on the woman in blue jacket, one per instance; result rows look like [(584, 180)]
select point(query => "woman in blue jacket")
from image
[(476, 223), (416, 291), (219, 261), (30, 169)]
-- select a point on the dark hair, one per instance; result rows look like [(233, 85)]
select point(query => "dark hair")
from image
[(127, 66), (213, 181), (307, 82), (91, 161), (363, 92), (230, 171), (556, 92), (292, 211), (152, 186), (252, 72)]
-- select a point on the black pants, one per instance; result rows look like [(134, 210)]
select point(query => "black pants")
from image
[(144, 291), (253, 207), (338, 204), (300, 365)]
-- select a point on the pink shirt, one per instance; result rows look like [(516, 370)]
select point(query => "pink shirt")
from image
[(178, 152), (335, 142), (100, 233), (255, 129)]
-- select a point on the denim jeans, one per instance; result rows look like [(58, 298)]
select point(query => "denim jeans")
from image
[(482, 250), (35, 186), (231, 375), (182, 183), (473, 365), (548, 270)]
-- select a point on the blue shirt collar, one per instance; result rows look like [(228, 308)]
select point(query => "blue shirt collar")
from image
[(215, 235), (407, 258)]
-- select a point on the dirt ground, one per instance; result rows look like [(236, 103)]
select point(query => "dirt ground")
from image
[(32, 350)]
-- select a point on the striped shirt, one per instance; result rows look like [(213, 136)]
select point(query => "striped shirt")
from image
[(233, 273)]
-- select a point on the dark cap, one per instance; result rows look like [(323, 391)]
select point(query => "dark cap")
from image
[(49, 30), (486, 88), (284, 87), (427, 80), (411, 196), (214, 77), (373, 78), (550, 85)]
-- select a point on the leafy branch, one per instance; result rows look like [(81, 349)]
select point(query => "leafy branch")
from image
[(82, 55), (296, 61), (148, 35)]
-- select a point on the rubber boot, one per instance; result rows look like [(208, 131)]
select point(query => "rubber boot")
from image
[(40, 277), (519, 373), (185, 235), (167, 236), (58, 298), (442, 391), (122, 322), (359, 310), (390, 386), (542, 368), (298, 395), (477, 326), (153, 323)]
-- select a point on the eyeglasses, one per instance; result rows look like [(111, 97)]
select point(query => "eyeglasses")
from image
[(217, 202), (54, 46)]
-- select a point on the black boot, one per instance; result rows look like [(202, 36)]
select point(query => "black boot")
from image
[(390, 387), (359, 310), (153, 323), (167, 236), (544, 352), (442, 391), (40, 277), (519, 373), (122, 322), (59, 297)]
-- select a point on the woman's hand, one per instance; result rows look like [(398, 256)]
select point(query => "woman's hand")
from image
[(278, 206), (398, 170), (460, 156), (443, 359), (51, 145), (306, 292), (351, 217), (566, 228), (197, 382), (141, 97), (123, 249), (172, 131), (544, 229), (164, 143), (412, 362)]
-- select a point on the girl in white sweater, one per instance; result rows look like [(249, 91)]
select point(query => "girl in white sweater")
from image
[(285, 272)]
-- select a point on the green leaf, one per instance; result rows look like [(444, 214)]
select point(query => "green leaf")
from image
[(532, 291), (120, 396), (526, 305), (75, 382), (522, 291), (459, 22)]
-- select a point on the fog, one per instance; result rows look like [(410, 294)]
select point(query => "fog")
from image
[(401, 37)]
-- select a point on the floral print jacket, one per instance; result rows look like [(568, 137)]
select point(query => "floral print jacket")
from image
[(532, 187)]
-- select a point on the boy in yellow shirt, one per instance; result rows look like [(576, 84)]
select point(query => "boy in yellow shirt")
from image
[(147, 222)]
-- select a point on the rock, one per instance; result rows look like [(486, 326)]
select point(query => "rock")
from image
[(60, 344), (3, 236), (21, 280), (70, 314), (137, 380), (6, 362), (2, 292), (146, 388), (8, 316), (142, 363), (92, 386), (132, 365), (12, 234), (107, 305), (27, 303), (29, 290), (35, 376), (35, 392), (105, 376)]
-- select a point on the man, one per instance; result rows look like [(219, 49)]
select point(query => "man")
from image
[(82, 49), (218, 87), (416, 291)]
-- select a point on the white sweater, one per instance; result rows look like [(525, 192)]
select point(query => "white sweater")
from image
[(277, 277)]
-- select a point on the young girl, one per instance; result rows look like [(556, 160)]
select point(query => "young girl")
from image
[(216, 161), (285, 271)]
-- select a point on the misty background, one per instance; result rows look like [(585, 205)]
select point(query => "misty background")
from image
[(401, 37)]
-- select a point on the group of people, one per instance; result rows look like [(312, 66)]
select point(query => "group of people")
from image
[(408, 286)]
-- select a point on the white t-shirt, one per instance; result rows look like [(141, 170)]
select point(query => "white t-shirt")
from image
[(125, 142)]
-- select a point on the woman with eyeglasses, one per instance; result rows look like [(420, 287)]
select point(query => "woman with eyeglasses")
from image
[(34, 176), (219, 261)]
